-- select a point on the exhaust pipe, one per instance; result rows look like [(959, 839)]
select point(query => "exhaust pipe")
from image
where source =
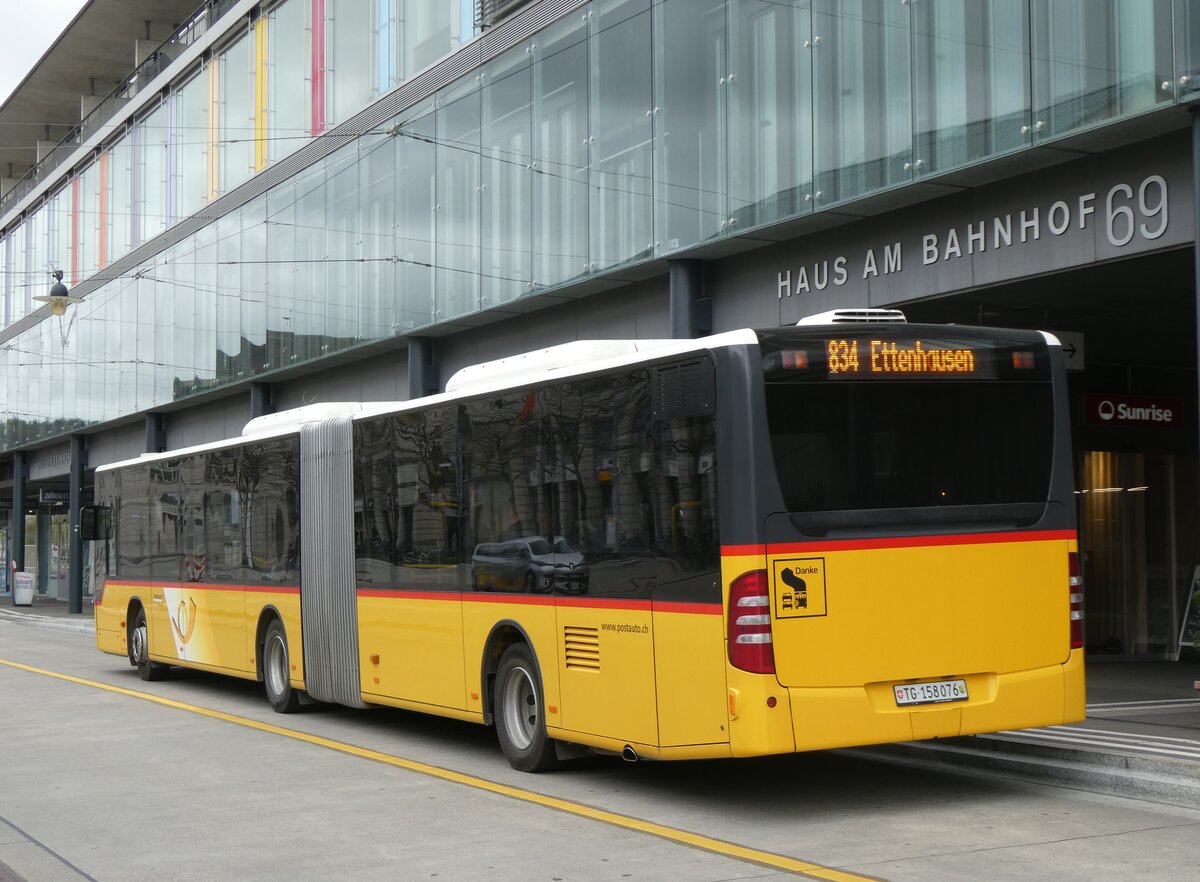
[(629, 754)]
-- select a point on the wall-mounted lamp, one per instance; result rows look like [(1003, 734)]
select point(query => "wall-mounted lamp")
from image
[(58, 298)]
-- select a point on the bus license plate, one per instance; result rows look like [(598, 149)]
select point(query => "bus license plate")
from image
[(931, 693)]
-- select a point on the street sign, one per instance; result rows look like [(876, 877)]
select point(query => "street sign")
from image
[(1072, 346)]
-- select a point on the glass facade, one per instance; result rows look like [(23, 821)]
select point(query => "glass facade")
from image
[(626, 131)]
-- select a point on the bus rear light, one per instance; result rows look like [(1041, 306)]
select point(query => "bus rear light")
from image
[(750, 642), (794, 360), (1075, 599)]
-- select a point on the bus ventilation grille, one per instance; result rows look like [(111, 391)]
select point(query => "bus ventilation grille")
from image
[(581, 647), (684, 390)]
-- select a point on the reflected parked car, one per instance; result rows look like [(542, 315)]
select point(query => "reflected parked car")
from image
[(532, 564)]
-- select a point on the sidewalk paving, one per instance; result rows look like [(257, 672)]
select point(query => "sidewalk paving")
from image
[(1141, 737)]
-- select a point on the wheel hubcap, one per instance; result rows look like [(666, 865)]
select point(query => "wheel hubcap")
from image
[(276, 665), (139, 644), (520, 708)]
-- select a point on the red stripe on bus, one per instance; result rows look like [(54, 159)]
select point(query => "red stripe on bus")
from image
[(910, 542), (605, 603), (702, 609), (518, 599)]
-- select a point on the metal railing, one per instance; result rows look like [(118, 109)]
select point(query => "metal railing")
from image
[(196, 26)]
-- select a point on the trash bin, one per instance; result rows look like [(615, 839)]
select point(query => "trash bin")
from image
[(23, 589)]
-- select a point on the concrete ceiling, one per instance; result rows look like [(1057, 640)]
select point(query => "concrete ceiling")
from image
[(97, 46)]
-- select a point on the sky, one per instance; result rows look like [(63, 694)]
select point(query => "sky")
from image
[(26, 31)]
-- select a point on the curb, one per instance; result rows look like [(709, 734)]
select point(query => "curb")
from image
[(78, 626), (1160, 780)]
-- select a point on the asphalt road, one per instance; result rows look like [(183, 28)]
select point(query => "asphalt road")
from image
[(203, 781)]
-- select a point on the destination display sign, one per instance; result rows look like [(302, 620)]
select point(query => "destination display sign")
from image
[(874, 357), (903, 352)]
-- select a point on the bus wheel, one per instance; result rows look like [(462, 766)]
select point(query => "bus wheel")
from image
[(520, 714), (139, 651), (277, 671)]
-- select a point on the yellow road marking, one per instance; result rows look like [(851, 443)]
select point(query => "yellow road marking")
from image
[(696, 840)]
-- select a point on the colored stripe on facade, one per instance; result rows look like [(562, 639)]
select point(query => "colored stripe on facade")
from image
[(260, 93), (318, 67)]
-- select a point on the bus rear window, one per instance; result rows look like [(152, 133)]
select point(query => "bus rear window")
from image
[(957, 451)]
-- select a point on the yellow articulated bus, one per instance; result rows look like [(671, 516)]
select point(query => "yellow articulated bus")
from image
[(759, 542)]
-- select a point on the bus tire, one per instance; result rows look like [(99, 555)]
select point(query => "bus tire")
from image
[(277, 677), (139, 650), (520, 712)]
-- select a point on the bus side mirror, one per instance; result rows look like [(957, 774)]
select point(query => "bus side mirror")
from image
[(95, 523)]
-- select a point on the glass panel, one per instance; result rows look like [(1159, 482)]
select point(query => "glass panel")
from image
[(416, 172), (87, 224), (120, 192), (861, 68), (343, 248), (458, 200), (230, 365), (289, 81), (972, 81), (431, 30), (690, 83), (507, 194), (252, 251), (22, 284), (1095, 60), (236, 113), (190, 145), (560, 153), (1187, 48), (58, 232), (150, 181), (622, 139), (385, 45), (205, 313), (307, 283), (7, 281), (282, 296), (147, 323), (770, 110), (349, 70), (377, 186)]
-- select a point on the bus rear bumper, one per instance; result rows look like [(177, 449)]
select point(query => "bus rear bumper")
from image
[(849, 716)]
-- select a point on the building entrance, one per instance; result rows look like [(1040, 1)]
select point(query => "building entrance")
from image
[(1137, 517)]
